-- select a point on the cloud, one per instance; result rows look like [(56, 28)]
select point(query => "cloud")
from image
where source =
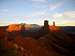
[(65, 18), (55, 6), (65, 15), (27, 17), (69, 14), (69, 23), (24, 17), (44, 4), (39, 13), (34, 1), (39, 1), (57, 15), (4, 10)]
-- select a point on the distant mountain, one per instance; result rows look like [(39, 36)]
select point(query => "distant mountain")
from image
[(68, 29), (35, 26)]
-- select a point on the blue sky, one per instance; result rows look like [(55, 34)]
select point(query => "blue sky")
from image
[(36, 11)]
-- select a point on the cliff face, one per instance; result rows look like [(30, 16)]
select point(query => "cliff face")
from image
[(18, 27), (13, 27)]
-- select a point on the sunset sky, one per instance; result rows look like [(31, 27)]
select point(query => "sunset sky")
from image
[(36, 11)]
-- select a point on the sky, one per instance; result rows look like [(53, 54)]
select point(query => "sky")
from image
[(36, 11)]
